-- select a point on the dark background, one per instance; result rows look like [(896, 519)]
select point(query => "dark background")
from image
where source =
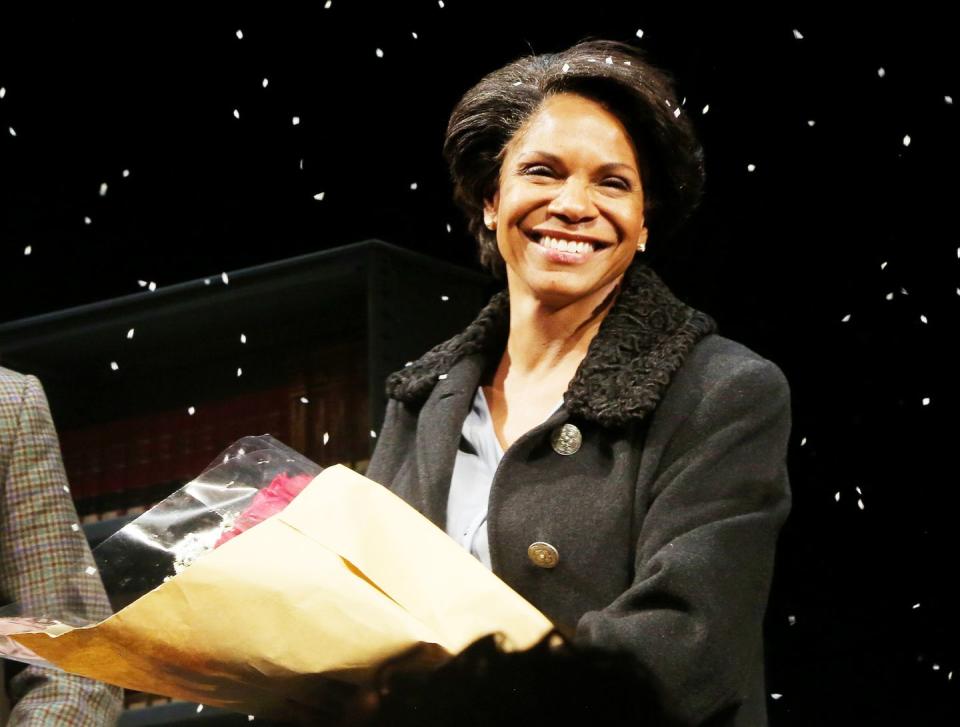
[(779, 256)]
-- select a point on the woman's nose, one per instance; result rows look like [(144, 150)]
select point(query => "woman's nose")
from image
[(572, 201)]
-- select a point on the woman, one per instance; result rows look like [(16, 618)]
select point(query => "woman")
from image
[(590, 437)]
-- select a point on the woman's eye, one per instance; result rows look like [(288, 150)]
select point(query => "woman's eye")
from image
[(539, 170), (617, 182)]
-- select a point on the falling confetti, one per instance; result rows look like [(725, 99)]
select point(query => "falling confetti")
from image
[(792, 620), (236, 114), (66, 489), (906, 140), (326, 5), (296, 121), (444, 298), (566, 67), (413, 185), (414, 35), (751, 167), (923, 318), (881, 72), (151, 286), (90, 570), (225, 278), (191, 411), (448, 227), (75, 528), (776, 696), (265, 83), (126, 173), (239, 372), (103, 189), (706, 109), (200, 706), (639, 33), (114, 365), (797, 34), (130, 333), (379, 53), (27, 250), (676, 113), (87, 220), (936, 667), (318, 196), (926, 401), (904, 291), (846, 318), (373, 434), (326, 437), (889, 296), (860, 503), (239, 37), (811, 122), (408, 363), (301, 164), (948, 99), (3, 92), (243, 338), (142, 283), (442, 377), (440, 3), (883, 265), (304, 400), (250, 717), (836, 497), (12, 131), (916, 606), (609, 60), (803, 442)]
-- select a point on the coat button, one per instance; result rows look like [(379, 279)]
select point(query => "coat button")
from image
[(543, 555), (566, 439)]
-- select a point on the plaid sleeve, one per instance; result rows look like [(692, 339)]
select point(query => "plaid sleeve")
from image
[(44, 559)]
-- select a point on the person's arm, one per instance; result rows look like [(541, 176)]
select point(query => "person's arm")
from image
[(705, 551), (43, 563)]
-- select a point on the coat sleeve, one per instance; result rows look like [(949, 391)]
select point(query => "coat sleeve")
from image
[(43, 563), (718, 497)]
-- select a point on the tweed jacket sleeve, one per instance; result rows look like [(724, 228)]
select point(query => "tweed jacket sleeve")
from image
[(43, 559), (713, 494)]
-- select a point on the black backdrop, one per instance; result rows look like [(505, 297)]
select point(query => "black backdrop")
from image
[(841, 216)]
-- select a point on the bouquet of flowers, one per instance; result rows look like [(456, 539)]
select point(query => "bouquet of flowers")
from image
[(266, 580)]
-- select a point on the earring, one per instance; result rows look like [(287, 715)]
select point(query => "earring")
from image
[(642, 246), (491, 224)]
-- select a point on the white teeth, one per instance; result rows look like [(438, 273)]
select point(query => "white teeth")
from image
[(565, 245)]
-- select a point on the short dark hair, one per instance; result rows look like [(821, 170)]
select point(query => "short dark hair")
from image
[(612, 73)]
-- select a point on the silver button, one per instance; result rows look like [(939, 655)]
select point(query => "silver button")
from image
[(566, 439), (543, 555)]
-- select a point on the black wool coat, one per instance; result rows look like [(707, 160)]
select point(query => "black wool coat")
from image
[(665, 519)]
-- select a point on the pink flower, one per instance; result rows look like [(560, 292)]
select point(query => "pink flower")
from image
[(269, 501)]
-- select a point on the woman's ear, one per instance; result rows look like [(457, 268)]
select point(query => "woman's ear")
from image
[(490, 210)]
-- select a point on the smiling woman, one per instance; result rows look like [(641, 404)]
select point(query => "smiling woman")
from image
[(590, 437)]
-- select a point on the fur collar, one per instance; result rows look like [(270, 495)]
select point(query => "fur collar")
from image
[(640, 344)]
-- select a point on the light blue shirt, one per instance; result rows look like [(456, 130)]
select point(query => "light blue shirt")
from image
[(478, 457)]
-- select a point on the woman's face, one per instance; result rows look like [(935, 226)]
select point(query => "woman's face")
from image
[(569, 207)]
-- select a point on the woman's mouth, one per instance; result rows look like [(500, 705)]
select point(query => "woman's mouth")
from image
[(560, 250)]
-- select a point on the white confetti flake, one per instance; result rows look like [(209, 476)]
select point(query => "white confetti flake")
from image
[(90, 570), (301, 164), (923, 318), (250, 717), (13, 132), (408, 363), (296, 121), (639, 32), (676, 113), (950, 676), (811, 123), (906, 140), (200, 706), (518, 83), (904, 291), (66, 489), (916, 606), (236, 114), (448, 227), (239, 372), (239, 35), (243, 338), (142, 283), (304, 400), (926, 401), (883, 265), (373, 434), (705, 109), (75, 528), (775, 696), (797, 34), (440, 3), (442, 377), (191, 410), (792, 620), (958, 291), (130, 333), (326, 437), (444, 298), (3, 92), (87, 220), (326, 6), (860, 503), (566, 67), (936, 667), (836, 497), (225, 278), (414, 35), (609, 60), (151, 286), (846, 318), (27, 250), (858, 490), (881, 72), (379, 53), (803, 442), (103, 189), (206, 281), (948, 99), (126, 173), (318, 196), (626, 63), (889, 296), (413, 185), (667, 101), (114, 365), (751, 167)]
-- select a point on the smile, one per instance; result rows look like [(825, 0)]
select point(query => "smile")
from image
[(565, 250)]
